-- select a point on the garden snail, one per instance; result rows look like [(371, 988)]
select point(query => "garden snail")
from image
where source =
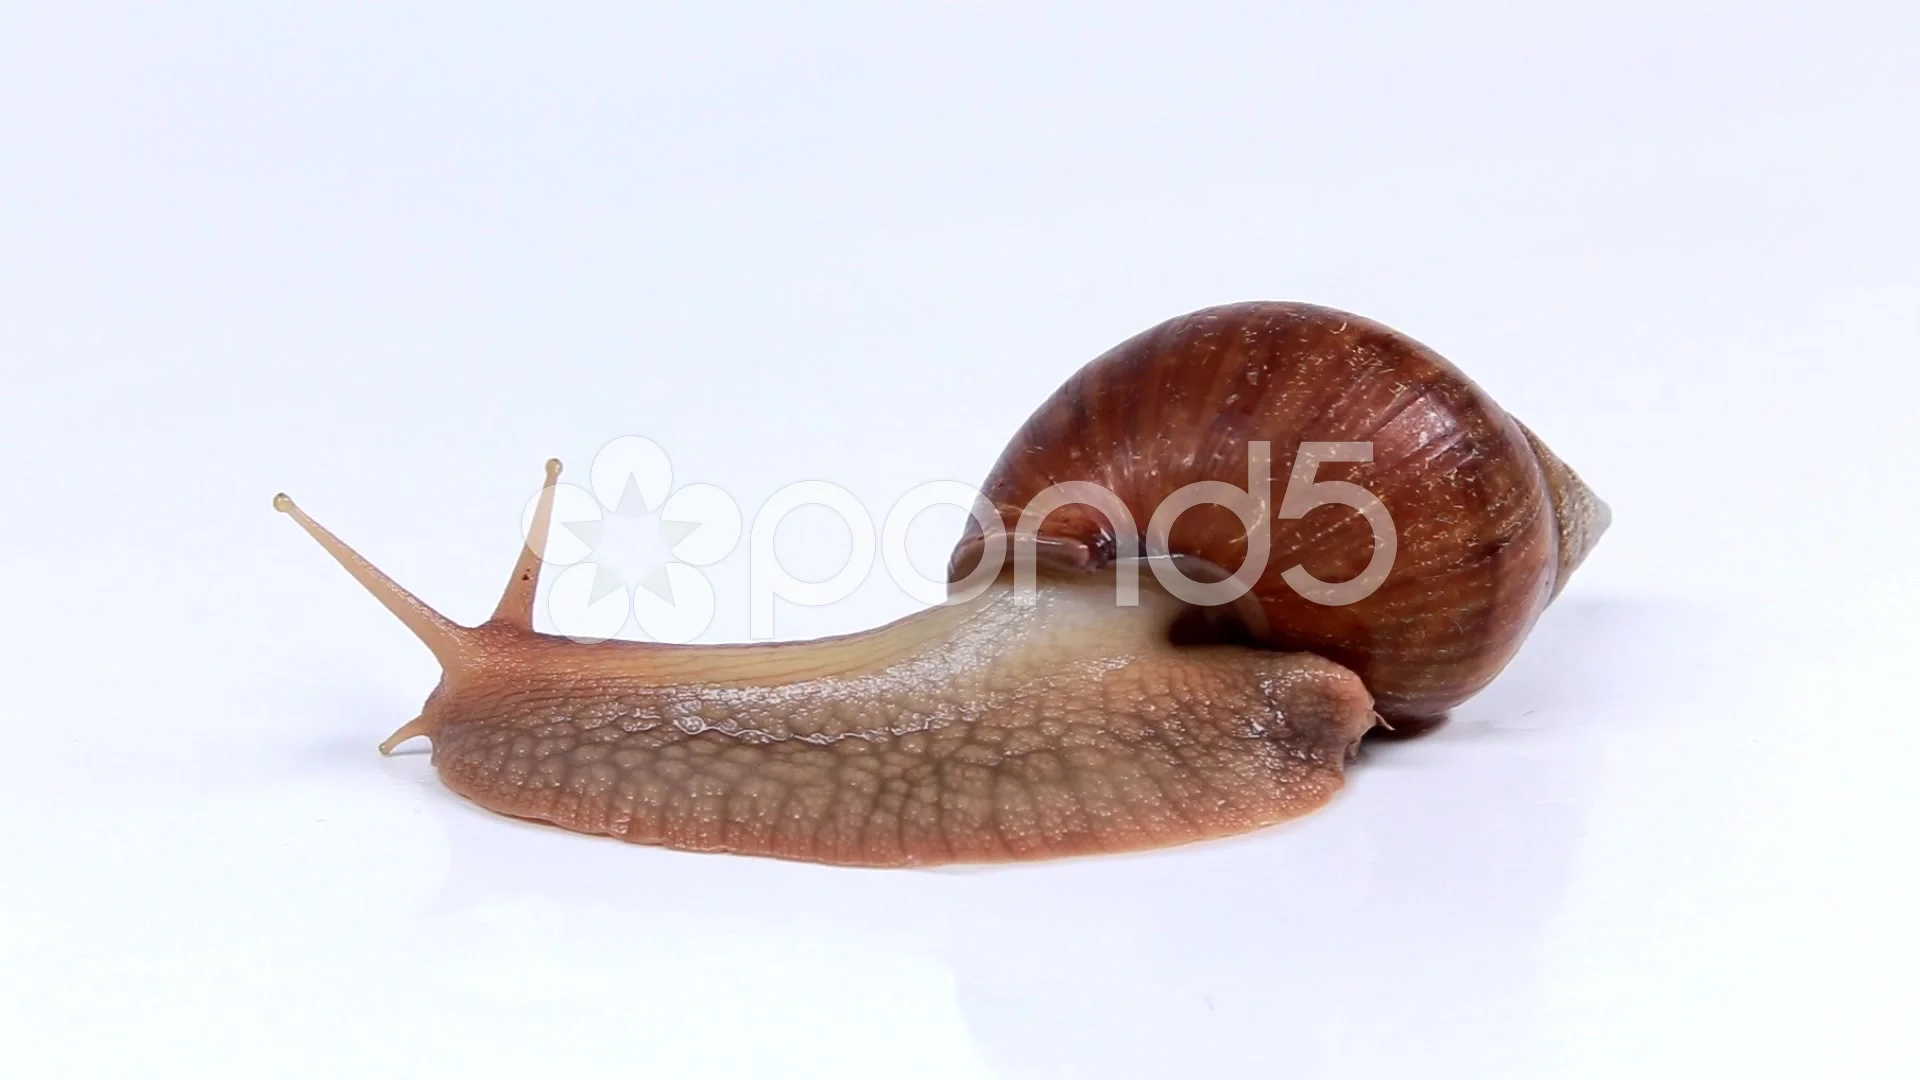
[(1053, 719)]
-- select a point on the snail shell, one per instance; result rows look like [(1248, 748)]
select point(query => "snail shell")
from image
[(1489, 523)]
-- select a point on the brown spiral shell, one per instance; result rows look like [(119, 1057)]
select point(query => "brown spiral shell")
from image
[(1489, 523)]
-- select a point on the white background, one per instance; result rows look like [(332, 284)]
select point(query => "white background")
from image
[(390, 257)]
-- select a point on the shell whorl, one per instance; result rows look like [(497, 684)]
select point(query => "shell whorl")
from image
[(1580, 517), (1488, 521)]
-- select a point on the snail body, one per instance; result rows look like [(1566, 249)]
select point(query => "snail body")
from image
[(1050, 720)]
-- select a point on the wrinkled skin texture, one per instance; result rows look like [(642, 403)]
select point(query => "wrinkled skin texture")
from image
[(1058, 726)]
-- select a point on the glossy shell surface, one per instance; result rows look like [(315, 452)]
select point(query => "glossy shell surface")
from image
[(1470, 501)]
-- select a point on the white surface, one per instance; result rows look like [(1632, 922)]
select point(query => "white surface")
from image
[(390, 259)]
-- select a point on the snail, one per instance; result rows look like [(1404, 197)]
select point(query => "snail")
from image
[(1342, 531)]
